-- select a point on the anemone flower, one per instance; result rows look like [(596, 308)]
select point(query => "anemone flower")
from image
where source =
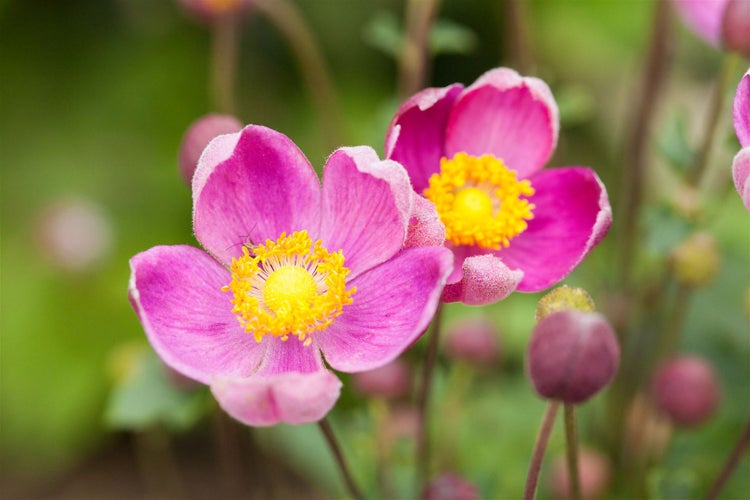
[(291, 272), (741, 163), (477, 154)]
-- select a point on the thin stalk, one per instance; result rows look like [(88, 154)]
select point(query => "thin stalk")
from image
[(225, 34), (731, 464), (423, 401), (539, 448), (338, 455), (516, 35), (290, 22), (414, 60), (571, 450), (674, 324)]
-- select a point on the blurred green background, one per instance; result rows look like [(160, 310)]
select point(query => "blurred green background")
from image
[(95, 96)]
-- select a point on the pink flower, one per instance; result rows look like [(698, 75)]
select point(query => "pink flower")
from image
[(477, 153), (741, 163), (291, 272), (721, 23)]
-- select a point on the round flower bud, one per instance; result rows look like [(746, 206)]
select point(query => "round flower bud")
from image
[(572, 355), (564, 298), (735, 27), (197, 137), (473, 340), (695, 261), (450, 486), (593, 475), (391, 381), (687, 390)]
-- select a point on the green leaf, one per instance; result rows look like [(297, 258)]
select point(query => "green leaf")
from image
[(674, 145), (384, 33), (449, 37)]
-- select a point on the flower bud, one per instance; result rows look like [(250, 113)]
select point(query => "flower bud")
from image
[(473, 340), (572, 355), (687, 390), (696, 260), (450, 486), (208, 11), (564, 298), (391, 381), (593, 475), (197, 137), (735, 27)]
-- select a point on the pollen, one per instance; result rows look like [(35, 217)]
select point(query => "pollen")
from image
[(291, 286), (481, 201)]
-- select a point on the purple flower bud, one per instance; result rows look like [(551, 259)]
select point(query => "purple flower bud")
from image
[(473, 340), (593, 475), (735, 27), (450, 486), (687, 390), (572, 355), (197, 137), (391, 381)]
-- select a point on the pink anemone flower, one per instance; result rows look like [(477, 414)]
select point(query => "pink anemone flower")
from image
[(741, 163), (477, 153), (721, 23), (292, 272)]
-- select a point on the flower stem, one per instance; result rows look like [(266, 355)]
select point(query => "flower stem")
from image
[(517, 36), (539, 448), (225, 33), (333, 444), (571, 450), (734, 458), (428, 369), (414, 60)]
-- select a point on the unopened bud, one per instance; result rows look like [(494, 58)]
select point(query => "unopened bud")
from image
[(735, 27), (391, 381), (564, 298), (473, 340), (695, 261), (450, 486), (197, 137), (687, 390), (593, 475), (572, 355)]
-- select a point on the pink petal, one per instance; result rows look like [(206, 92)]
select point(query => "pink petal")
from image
[(416, 135), (511, 117), (366, 207), (486, 279), (176, 292), (572, 215), (741, 175), (703, 17), (392, 306), (425, 226), (292, 398), (290, 356), (250, 187), (742, 110)]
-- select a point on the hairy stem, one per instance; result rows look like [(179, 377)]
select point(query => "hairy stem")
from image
[(539, 448), (571, 451), (338, 455)]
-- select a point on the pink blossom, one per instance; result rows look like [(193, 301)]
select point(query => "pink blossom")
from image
[(722, 23), (741, 163), (477, 153), (291, 272)]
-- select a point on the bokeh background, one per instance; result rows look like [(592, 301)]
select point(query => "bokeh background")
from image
[(94, 98)]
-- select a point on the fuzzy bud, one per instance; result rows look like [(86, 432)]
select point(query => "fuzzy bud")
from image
[(687, 390), (450, 486), (696, 260), (473, 340), (735, 27), (572, 355), (593, 475), (197, 137), (564, 298), (391, 381)]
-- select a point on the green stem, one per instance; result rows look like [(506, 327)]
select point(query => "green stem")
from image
[(225, 32), (539, 448), (338, 455), (571, 451), (414, 60), (731, 464), (517, 37)]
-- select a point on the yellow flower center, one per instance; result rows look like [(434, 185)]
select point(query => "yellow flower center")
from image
[(480, 201), (290, 286)]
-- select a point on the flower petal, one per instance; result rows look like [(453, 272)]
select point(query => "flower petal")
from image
[(741, 175), (742, 111), (486, 279), (511, 117), (366, 207), (293, 398), (425, 226), (703, 17), (392, 306), (416, 135), (572, 215), (176, 292), (252, 186)]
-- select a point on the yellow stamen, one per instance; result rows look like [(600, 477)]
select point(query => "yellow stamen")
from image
[(480, 201), (290, 286)]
